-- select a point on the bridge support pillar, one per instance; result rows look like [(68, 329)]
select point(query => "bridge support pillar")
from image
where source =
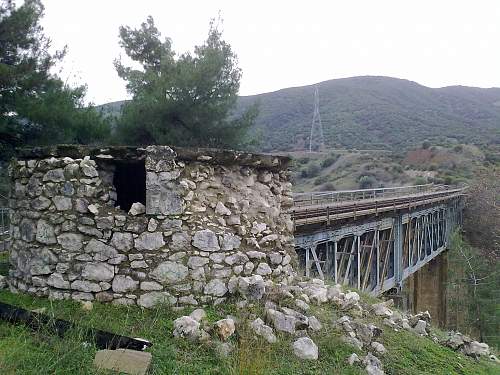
[(398, 249), (426, 289)]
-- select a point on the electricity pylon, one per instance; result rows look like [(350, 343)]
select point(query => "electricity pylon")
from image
[(316, 127)]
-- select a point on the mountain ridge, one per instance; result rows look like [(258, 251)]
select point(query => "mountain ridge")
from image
[(374, 112)]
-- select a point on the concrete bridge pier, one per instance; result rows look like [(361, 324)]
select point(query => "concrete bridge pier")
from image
[(426, 289)]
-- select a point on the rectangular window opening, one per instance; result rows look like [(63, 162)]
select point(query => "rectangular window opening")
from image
[(130, 183)]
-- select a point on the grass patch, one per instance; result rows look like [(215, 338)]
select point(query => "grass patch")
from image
[(25, 352)]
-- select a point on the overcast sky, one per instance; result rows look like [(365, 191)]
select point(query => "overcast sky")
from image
[(293, 43)]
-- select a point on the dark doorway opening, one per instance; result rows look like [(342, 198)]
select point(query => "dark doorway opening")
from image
[(130, 183)]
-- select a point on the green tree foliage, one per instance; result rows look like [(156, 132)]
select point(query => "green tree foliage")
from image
[(36, 106), (181, 100), (473, 294), (474, 273)]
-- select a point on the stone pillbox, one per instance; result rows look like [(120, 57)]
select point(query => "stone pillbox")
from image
[(148, 225)]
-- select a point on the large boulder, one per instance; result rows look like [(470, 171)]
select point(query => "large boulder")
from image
[(305, 348), (455, 340), (420, 328), (225, 328), (373, 365), (187, 327), (351, 299), (252, 287), (261, 329), (382, 308), (476, 349), (281, 322)]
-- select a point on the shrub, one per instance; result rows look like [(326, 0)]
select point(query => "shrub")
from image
[(367, 182), (420, 180), (320, 180), (426, 145), (312, 170), (328, 187), (329, 160), (397, 168)]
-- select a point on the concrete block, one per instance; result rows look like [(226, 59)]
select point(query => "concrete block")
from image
[(124, 361)]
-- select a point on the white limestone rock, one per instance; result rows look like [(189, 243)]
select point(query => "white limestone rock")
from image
[(225, 328), (198, 315), (280, 321), (123, 241), (252, 287), (382, 308), (263, 269), (137, 208), (378, 347), (124, 284), (261, 329), (221, 209), (98, 272), (230, 242), (169, 272), (420, 328), (353, 358), (305, 348), (149, 241), (57, 281), (152, 299), (215, 287), (187, 327), (206, 240), (314, 323)]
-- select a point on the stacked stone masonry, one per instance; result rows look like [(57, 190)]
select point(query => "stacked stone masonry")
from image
[(210, 217)]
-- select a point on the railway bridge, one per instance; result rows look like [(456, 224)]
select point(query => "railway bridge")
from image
[(380, 240)]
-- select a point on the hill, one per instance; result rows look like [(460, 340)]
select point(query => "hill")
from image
[(372, 113), (357, 169), (377, 112)]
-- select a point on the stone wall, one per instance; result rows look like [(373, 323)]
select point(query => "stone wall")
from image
[(211, 217)]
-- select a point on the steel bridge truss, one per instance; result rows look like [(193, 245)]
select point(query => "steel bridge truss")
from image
[(378, 255)]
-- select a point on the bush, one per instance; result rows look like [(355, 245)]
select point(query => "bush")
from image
[(367, 182), (312, 170), (458, 148), (420, 180), (329, 160), (320, 180), (397, 168), (426, 145), (328, 187)]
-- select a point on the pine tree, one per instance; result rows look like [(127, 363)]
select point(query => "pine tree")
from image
[(36, 107), (181, 100)]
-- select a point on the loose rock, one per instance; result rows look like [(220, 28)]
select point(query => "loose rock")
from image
[(305, 348)]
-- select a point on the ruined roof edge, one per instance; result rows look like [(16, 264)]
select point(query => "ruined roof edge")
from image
[(206, 155)]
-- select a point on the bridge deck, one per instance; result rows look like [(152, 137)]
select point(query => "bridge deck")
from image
[(329, 208)]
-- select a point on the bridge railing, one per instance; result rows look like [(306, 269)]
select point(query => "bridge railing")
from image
[(323, 197)]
